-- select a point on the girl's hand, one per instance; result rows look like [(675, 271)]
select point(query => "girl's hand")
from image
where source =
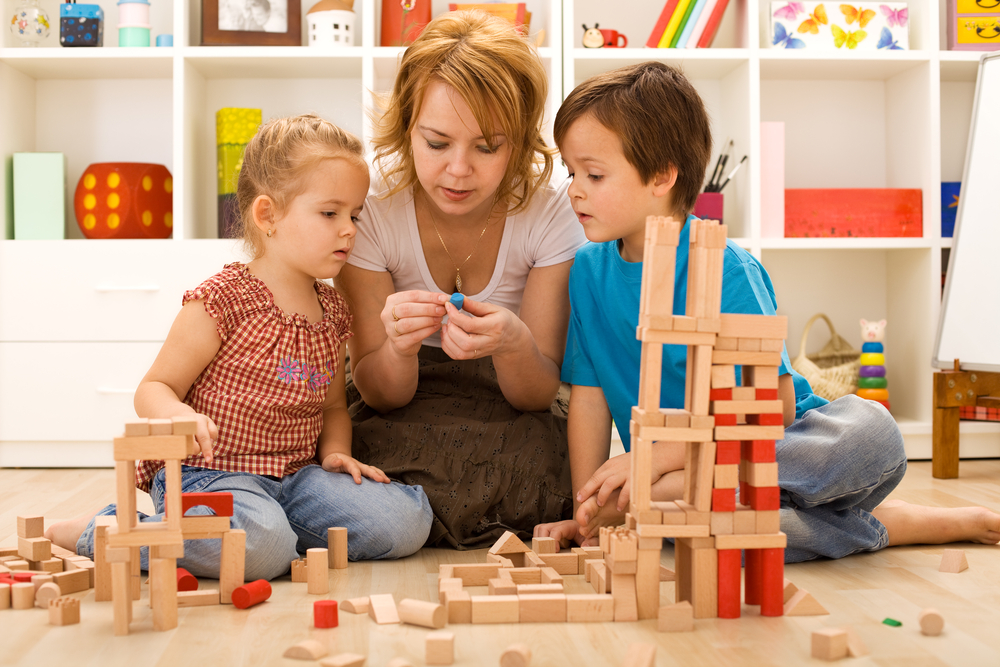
[(479, 330), (565, 532), (206, 436), (411, 316), (614, 474), (349, 465)]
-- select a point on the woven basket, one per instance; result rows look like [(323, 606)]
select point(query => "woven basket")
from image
[(833, 371)]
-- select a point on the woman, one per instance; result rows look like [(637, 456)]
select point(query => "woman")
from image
[(463, 405)]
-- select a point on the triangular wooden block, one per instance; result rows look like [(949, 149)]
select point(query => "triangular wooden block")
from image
[(954, 561), (804, 604), (509, 543), (310, 649), (855, 645), (382, 609), (344, 660), (666, 574), (640, 655), (790, 590)]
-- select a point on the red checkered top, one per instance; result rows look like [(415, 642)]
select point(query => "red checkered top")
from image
[(266, 385)]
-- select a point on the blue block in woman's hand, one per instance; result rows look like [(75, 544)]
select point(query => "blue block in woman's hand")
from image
[(457, 299)]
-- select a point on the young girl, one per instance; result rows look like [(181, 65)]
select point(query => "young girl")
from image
[(256, 354)]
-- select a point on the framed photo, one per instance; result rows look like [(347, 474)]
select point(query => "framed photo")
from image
[(251, 22)]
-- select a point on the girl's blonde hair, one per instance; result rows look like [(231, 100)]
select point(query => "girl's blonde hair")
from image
[(277, 158), (497, 73)]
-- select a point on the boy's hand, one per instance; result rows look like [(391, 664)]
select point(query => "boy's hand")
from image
[(614, 474), (566, 532), (592, 518), (349, 465)]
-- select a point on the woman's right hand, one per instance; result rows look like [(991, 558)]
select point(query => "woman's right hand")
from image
[(411, 316)]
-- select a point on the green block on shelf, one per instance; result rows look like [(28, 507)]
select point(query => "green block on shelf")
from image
[(39, 196)]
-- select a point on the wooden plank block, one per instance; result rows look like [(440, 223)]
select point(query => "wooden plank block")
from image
[(772, 541), (72, 581), (502, 586), (705, 470), (563, 563), (650, 376), (157, 448), (445, 585), (382, 609), (476, 574), (542, 608), (538, 589), (204, 523), (146, 534), (495, 609), (749, 345), (701, 368), (749, 432), (163, 593), (590, 608), (739, 325), (317, 571), (641, 465), (135, 428), (647, 417), (200, 598), (660, 337), (522, 575), (459, 606), (746, 407), (705, 582), (666, 434), (674, 531), (161, 427), (623, 591), (647, 583), (746, 358)]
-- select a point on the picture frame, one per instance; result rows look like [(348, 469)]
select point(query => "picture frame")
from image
[(251, 23)]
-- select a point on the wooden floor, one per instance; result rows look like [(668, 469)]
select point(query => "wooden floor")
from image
[(859, 591)]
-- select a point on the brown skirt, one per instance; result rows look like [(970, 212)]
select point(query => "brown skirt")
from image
[(485, 466)]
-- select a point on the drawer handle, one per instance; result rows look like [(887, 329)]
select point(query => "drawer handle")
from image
[(114, 390), (127, 288)]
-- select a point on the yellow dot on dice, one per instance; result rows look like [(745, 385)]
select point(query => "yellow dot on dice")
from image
[(89, 201), (168, 219), (89, 181), (114, 200), (168, 185), (147, 218), (147, 183), (114, 179), (89, 221), (113, 220)]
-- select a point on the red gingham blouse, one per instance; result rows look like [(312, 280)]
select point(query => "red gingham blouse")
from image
[(266, 385)]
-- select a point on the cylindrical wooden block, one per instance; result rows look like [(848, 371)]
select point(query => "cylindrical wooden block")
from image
[(931, 622), (40, 579), (186, 581), (250, 594), (751, 576), (317, 571), (22, 596), (516, 655), (772, 579), (45, 593), (325, 614), (337, 541), (4, 596), (420, 612)]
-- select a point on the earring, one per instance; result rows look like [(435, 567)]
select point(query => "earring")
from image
[(269, 233)]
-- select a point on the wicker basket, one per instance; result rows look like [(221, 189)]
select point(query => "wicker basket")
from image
[(833, 371)]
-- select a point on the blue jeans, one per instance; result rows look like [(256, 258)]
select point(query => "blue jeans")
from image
[(284, 517), (835, 465)]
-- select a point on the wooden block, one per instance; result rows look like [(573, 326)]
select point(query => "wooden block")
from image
[(544, 545), (17, 565), (503, 561), (425, 614), (22, 595), (647, 583), (186, 425), (762, 474), (64, 611), (705, 582), (516, 655), (739, 358), (72, 581), (86, 565), (161, 427), (502, 586), (768, 521), (759, 541), (121, 597), (399, 661), (476, 574), (522, 575), (599, 578), (829, 644), (952, 560), (736, 325), (382, 609), (220, 502), (620, 567), (495, 609), (215, 526), (563, 563), (676, 337), (931, 622), (802, 603), (749, 345), (590, 608), (623, 590), (356, 605), (136, 428), (722, 523), (102, 568), (52, 565), (233, 562), (507, 544), (444, 585), (439, 648), (4, 595), (745, 521), (317, 571), (337, 543), (539, 589), (762, 377), (550, 576), (299, 572), (34, 548), (163, 447), (727, 343), (200, 598), (310, 649), (700, 422), (459, 606), (749, 432), (749, 406), (856, 647), (549, 608), (344, 660), (624, 546), (640, 655), (676, 618), (728, 476), (45, 593), (698, 530), (30, 527), (646, 417)]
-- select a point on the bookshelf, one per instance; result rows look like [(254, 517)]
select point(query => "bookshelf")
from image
[(852, 120)]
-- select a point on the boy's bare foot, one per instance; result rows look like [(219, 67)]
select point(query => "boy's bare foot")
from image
[(591, 517), (918, 524), (66, 533)]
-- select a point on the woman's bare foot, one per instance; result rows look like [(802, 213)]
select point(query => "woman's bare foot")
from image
[(66, 533), (919, 524)]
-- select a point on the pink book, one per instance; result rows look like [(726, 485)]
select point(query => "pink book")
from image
[(772, 180), (699, 27)]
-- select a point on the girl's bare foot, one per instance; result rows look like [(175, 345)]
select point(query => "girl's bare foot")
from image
[(66, 533), (918, 524)]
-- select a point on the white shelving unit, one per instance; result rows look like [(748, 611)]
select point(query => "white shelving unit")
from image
[(852, 120)]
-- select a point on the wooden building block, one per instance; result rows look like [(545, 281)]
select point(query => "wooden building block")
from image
[(444, 585), (495, 609), (772, 566), (705, 582), (591, 608), (723, 376), (640, 655), (422, 613), (952, 560), (22, 595), (4, 595), (459, 606), (476, 574), (600, 578), (931, 622), (382, 608), (729, 584), (516, 655), (550, 576), (728, 476), (856, 647), (310, 649), (647, 583), (220, 502), (507, 544), (762, 474), (51, 565), (439, 648), (768, 521), (503, 561), (547, 608), (789, 590), (163, 592), (563, 563), (136, 428), (72, 581), (522, 575), (620, 567), (232, 564), (64, 611), (544, 545), (677, 617), (802, 603), (45, 594), (745, 521), (502, 586), (829, 644), (102, 568), (356, 605), (30, 527), (34, 548), (344, 660), (299, 572), (336, 538), (623, 591), (317, 571), (200, 598), (539, 589), (161, 427)]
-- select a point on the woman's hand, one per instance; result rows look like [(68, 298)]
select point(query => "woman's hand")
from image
[(480, 330), (351, 466), (410, 317)]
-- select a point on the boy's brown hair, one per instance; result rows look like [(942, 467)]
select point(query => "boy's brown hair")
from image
[(659, 118)]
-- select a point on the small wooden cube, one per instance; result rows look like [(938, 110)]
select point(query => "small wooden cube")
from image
[(30, 526), (829, 644), (544, 545), (64, 611), (440, 648), (300, 571), (676, 618)]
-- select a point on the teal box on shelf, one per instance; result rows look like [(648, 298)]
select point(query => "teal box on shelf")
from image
[(39, 196), (81, 25)]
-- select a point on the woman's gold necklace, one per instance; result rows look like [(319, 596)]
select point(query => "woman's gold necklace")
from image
[(458, 269)]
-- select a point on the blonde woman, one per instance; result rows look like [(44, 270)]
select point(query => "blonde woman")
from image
[(464, 402)]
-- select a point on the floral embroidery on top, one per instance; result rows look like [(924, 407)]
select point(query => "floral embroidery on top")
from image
[(291, 370)]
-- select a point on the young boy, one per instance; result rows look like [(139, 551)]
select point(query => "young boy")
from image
[(637, 141)]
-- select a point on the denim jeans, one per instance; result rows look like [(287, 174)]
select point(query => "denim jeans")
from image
[(835, 465), (284, 517)]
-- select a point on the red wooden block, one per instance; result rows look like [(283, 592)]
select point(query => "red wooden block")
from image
[(125, 200), (772, 585), (720, 394), (220, 502), (723, 500), (762, 497), (758, 451), (250, 594), (729, 583), (866, 212), (752, 576), (23, 577), (767, 394), (4, 579), (186, 581), (325, 613), (725, 420), (727, 452), (771, 419)]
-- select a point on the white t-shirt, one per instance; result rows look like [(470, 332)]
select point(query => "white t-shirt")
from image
[(545, 234)]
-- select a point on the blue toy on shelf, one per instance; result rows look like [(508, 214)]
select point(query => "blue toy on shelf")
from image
[(81, 25)]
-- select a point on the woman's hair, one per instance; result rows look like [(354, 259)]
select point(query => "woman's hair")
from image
[(277, 158), (498, 74)]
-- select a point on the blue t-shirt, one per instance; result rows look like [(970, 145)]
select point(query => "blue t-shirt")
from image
[(601, 347)]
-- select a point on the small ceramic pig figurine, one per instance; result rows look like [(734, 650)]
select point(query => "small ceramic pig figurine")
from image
[(872, 332)]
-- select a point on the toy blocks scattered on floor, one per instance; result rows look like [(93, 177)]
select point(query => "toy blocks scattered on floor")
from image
[(953, 561)]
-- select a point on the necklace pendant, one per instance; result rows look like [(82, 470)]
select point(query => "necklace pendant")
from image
[(458, 281)]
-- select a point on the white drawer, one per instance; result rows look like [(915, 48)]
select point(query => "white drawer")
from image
[(69, 391), (91, 290)]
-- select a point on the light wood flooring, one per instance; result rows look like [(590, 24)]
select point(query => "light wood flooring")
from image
[(859, 591)]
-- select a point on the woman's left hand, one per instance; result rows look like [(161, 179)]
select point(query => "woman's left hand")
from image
[(489, 331)]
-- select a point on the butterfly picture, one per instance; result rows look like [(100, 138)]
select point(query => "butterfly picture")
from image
[(885, 41), (852, 39), (895, 17), (862, 16), (790, 11), (812, 24), (786, 39)]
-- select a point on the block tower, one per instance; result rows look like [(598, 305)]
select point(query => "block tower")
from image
[(729, 432)]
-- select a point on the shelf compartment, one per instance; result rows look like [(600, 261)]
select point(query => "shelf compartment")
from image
[(86, 64), (837, 66), (274, 62)]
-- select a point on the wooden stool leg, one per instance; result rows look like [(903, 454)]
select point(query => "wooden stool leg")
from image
[(945, 443), (772, 594)]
